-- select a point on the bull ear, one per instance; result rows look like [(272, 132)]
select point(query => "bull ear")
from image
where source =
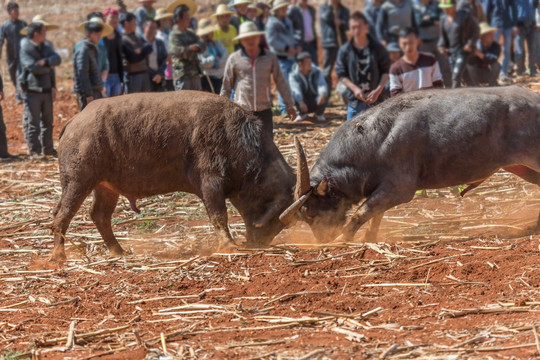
[(322, 188), (302, 171)]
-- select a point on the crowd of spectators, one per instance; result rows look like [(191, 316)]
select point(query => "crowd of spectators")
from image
[(244, 47)]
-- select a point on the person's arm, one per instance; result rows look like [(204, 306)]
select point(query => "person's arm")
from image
[(383, 62), (28, 62), (296, 90), (83, 71), (443, 39), (228, 78), (273, 37), (396, 87), (381, 26), (2, 38), (322, 88), (473, 32), (129, 53), (296, 17), (492, 54)]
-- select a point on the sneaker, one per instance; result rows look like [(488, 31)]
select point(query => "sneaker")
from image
[(505, 79), (34, 156), (300, 118), (8, 158), (52, 153), (321, 118)]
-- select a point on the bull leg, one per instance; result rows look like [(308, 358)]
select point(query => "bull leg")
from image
[(528, 175), (371, 234), (214, 201), (72, 198), (102, 209), (374, 206)]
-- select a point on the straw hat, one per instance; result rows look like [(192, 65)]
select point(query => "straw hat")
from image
[(256, 8), (279, 4), (162, 14), (247, 29), (445, 4), (40, 19), (485, 28), (107, 29), (192, 6), (205, 27), (238, 2), (222, 9), (143, 1)]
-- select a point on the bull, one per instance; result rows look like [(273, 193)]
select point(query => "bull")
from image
[(420, 140), (141, 145)]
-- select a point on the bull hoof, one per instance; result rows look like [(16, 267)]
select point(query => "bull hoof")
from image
[(58, 257), (117, 252)]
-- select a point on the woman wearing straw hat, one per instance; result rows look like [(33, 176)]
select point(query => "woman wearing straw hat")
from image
[(224, 31), (38, 83), (86, 73), (484, 66), (164, 24), (241, 8), (249, 71), (213, 59)]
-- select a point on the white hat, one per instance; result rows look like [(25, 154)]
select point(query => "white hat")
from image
[(238, 2), (222, 9), (107, 29), (192, 6), (40, 19), (279, 4), (205, 27), (247, 29), (162, 14)]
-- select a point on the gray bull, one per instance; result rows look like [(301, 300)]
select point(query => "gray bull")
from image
[(420, 140), (147, 144)]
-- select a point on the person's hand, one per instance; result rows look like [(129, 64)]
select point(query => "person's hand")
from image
[(426, 17), (138, 51), (479, 54), (321, 100), (443, 51), (337, 22), (303, 107), (1, 95), (373, 95), (89, 99), (359, 94), (194, 48), (468, 48), (41, 62), (53, 94), (516, 31), (291, 113), (436, 22), (157, 78)]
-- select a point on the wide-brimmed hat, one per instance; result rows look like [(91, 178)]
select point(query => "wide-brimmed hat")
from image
[(141, 1), (238, 2), (445, 4), (162, 14), (279, 4), (256, 8), (205, 27), (107, 29), (222, 9), (485, 28), (192, 6), (40, 19), (247, 29)]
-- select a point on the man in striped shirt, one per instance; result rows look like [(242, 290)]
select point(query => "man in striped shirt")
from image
[(414, 70)]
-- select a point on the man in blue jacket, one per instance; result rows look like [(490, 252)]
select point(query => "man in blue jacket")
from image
[(526, 31), (502, 14), (38, 83), (157, 59)]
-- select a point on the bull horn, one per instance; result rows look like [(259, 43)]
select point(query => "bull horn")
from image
[(302, 171), (287, 216)]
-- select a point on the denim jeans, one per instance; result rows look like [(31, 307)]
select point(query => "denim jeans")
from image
[(113, 85), (526, 33), (353, 111), (507, 47), (286, 66)]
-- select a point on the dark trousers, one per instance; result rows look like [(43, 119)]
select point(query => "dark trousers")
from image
[(169, 85), (3, 139), (188, 83), (487, 75), (82, 101), (268, 125), (135, 83), (38, 122), (311, 101), (216, 84), (329, 60), (311, 48), (13, 68), (459, 64), (156, 87)]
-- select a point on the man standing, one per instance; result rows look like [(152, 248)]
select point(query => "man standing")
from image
[(213, 59), (334, 24), (184, 47), (86, 71), (502, 14), (526, 29), (4, 154), (10, 32), (135, 49), (302, 16), (113, 44), (249, 71), (415, 70), (459, 33), (144, 12), (224, 31), (241, 8), (484, 67), (308, 88), (394, 16), (362, 66), (281, 41), (157, 59), (38, 83)]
